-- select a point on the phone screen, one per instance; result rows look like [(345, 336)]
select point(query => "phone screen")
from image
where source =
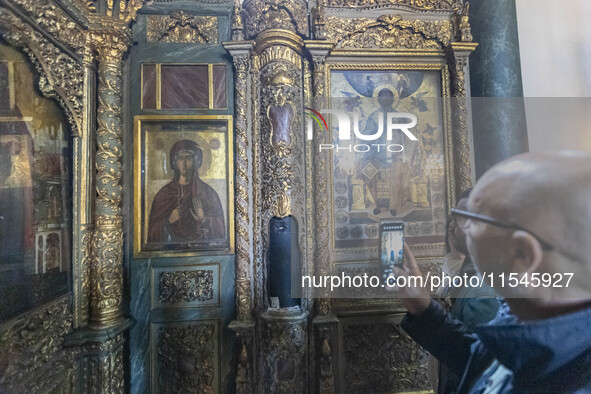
[(391, 246)]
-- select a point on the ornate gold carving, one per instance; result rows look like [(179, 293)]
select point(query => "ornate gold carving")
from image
[(186, 358), (182, 28), (321, 186), (107, 244), (280, 53), (285, 343), (60, 76), (380, 357), (416, 4), (103, 366), (242, 379), (283, 161), (106, 276), (259, 271), (245, 369), (308, 266), (462, 20), (283, 208), (30, 342), (186, 286), (110, 48), (237, 25), (319, 24), (84, 278), (241, 202), (55, 21), (263, 15), (461, 144), (388, 31), (327, 378), (125, 12)]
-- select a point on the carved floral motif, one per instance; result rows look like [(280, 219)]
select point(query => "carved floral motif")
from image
[(60, 76), (243, 280), (186, 286), (382, 358), (418, 4), (285, 344), (182, 28), (275, 14), (30, 342), (186, 359), (388, 31)]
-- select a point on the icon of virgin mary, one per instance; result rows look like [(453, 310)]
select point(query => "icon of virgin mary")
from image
[(186, 210)]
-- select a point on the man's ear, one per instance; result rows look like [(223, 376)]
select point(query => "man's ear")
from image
[(526, 252)]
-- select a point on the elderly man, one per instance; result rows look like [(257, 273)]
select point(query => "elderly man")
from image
[(528, 217)]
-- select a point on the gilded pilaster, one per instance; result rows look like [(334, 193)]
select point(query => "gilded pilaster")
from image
[(83, 188), (107, 243), (459, 53), (242, 201), (243, 326), (319, 51)]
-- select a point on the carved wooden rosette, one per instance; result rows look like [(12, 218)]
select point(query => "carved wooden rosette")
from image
[(107, 244), (459, 53)]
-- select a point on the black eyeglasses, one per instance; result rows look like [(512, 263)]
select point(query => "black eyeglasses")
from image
[(463, 221)]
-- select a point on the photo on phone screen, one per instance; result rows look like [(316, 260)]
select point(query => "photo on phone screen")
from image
[(391, 246)]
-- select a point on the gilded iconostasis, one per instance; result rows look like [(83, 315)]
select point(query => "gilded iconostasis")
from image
[(158, 182)]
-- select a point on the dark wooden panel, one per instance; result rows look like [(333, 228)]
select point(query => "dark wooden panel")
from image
[(220, 99), (149, 86), (379, 357), (185, 86)]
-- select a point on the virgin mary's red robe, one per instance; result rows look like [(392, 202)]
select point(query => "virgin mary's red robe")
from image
[(187, 229)]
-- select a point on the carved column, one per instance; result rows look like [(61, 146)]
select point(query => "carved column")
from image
[(107, 245), (459, 52), (242, 200), (83, 190), (279, 176), (102, 344), (319, 51), (243, 326)]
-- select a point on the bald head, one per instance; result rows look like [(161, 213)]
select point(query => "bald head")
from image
[(549, 194)]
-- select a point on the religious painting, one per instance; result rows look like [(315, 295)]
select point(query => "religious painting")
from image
[(183, 185), (386, 172), (35, 191)]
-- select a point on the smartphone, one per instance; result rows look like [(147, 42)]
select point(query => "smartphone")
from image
[(391, 247)]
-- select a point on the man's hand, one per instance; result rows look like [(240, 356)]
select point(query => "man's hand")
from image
[(415, 299)]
